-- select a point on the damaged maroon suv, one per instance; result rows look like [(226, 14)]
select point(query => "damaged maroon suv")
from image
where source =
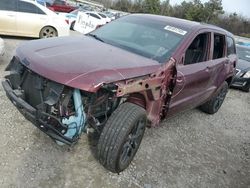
[(130, 73)]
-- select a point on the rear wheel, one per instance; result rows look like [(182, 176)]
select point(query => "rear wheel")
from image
[(121, 137), (72, 25), (214, 104), (48, 32)]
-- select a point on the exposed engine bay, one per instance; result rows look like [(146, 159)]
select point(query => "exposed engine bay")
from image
[(60, 111)]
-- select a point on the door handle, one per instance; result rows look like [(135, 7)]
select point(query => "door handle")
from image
[(10, 15)]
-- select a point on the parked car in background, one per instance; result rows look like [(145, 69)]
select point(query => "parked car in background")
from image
[(104, 16), (97, 16), (61, 6), (1, 46), (88, 21), (41, 2), (72, 16), (29, 18), (110, 15), (134, 70), (242, 77)]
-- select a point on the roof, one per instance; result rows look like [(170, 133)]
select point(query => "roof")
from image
[(182, 23)]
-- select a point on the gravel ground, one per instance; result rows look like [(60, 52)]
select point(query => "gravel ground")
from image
[(192, 149)]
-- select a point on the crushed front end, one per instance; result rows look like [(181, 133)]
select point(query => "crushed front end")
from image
[(60, 111)]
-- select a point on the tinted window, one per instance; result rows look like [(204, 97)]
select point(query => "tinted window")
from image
[(102, 15), (28, 8), (230, 46), (219, 44), (94, 15), (150, 38), (8, 5), (198, 50)]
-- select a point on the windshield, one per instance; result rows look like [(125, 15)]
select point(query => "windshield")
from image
[(150, 38), (243, 53)]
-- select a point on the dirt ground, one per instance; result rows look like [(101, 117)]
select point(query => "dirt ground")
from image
[(192, 149)]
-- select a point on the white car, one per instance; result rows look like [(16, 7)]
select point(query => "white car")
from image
[(98, 17), (104, 16), (29, 18), (87, 22), (1, 47)]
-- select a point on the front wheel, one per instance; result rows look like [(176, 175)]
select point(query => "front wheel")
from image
[(48, 32), (121, 137), (214, 104)]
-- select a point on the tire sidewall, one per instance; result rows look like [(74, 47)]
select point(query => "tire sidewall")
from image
[(224, 88), (120, 149)]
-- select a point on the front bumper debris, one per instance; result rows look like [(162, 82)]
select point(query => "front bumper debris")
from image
[(36, 116)]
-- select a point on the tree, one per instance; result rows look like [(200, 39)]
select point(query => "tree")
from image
[(209, 12), (152, 6), (165, 8), (123, 5), (212, 9), (194, 10)]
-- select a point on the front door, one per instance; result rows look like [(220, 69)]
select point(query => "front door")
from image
[(193, 75), (7, 16)]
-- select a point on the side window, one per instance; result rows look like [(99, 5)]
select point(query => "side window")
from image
[(102, 15), (93, 15), (198, 49), (230, 46), (28, 8), (219, 45), (8, 5)]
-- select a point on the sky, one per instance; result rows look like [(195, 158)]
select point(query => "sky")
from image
[(241, 7)]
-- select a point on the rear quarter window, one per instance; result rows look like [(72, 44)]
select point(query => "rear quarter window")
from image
[(230, 46)]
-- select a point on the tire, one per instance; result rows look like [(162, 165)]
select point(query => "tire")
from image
[(214, 104), (121, 137), (48, 32), (72, 25)]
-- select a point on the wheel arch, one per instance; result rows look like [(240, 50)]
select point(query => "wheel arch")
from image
[(138, 99)]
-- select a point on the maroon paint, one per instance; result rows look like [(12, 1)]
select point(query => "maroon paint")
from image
[(61, 60), (86, 63)]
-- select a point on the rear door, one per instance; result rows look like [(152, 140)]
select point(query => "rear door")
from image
[(193, 75), (30, 19), (221, 63), (8, 16)]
